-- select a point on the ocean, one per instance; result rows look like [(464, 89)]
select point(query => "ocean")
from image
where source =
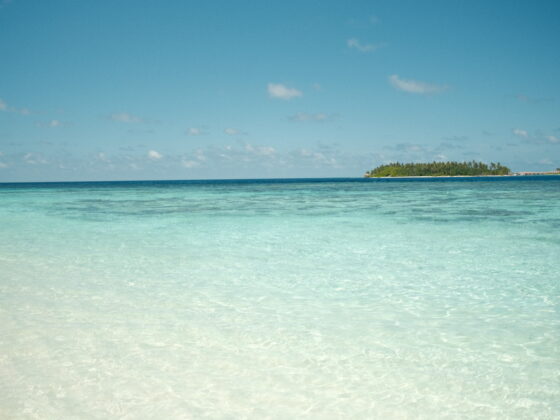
[(302, 298)]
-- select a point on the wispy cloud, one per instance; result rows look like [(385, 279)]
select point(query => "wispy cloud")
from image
[(451, 145), (155, 155), (231, 155), (51, 124), (5, 108), (521, 133), (34, 159), (315, 157), (532, 100), (187, 163), (125, 117), (102, 157), (239, 159), (460, 139), (407, 147), (413, 152), (355, 43), (318, 117), (234, 132), (414, 86), (537, 137), (280, 91), (195, 131), (260, 150)]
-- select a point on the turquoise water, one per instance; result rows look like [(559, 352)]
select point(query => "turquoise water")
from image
[(332, 299)]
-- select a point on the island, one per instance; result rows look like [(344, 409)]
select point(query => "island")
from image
[(472, 168)]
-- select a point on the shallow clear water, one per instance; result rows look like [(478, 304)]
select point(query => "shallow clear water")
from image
[(300, 299)]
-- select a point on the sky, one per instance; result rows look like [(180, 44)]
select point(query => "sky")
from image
[(138, 89)]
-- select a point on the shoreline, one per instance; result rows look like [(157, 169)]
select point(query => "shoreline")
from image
[(520, 174)]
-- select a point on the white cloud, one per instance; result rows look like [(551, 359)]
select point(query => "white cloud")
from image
[(355, 43), (545, 161), (190, 163), (260, 150), (413, 86), (152, 154), (34, 159), (412, 152), (521, 133), (51, 124), (4, 107), (199, 154), (193, 131), (239, 158), (283, 92), (233, 132), (125, 117), (318, 158), (537, 138), (3, 165)]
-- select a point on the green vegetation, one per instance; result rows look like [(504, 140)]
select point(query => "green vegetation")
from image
[(438, 169)]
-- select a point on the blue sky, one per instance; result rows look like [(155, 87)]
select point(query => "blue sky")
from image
[(102, 90)]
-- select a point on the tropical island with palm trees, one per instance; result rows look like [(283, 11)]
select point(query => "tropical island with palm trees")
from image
[(472, 168)]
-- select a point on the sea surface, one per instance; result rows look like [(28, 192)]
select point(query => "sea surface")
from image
[(283, 299)]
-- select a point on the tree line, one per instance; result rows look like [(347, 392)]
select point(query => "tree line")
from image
[(438, 169)]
